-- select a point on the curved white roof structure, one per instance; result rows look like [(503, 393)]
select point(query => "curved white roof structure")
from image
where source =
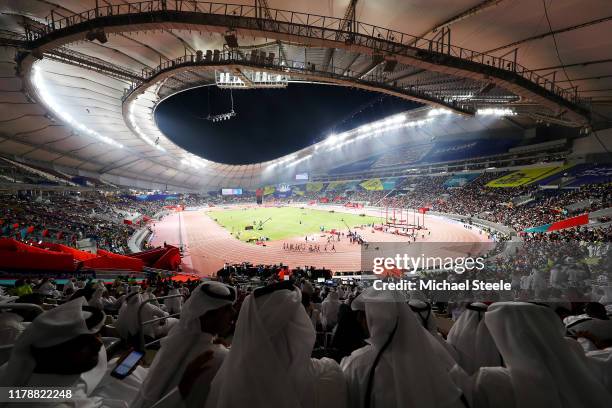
[(79, 84)]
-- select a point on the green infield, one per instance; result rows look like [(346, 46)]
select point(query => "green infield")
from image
[(285, 222)]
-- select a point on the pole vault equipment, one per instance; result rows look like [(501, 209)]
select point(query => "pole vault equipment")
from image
[(398, 218)]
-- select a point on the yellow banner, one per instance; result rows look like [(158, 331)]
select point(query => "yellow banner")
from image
[(526, 176), (314, 187), (269, 190), (372, 185), (335, 185)]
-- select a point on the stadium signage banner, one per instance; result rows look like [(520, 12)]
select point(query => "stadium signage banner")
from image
[(283, 191), (301, 176), (155, 197), (372, 185), (559, 225), (231, 191), (526, 176)]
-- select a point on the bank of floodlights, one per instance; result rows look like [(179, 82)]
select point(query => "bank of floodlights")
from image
[(495, 112), (391, 123)]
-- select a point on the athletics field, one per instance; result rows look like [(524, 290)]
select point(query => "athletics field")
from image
[(285, 222)]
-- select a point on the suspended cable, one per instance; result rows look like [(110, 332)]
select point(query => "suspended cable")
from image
[(555, 43), (223, 116)]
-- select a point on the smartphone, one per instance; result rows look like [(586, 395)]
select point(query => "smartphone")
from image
[(127, 364)]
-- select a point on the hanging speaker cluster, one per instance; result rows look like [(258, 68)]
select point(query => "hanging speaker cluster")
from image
[(221, 117)]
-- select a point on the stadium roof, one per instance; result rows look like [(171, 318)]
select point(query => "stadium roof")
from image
[(79, 85)]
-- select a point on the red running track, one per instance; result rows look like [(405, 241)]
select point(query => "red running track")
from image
[(208, 245)]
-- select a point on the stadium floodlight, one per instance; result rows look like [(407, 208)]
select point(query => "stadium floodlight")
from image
[(391, 123), (399, 118), (49, 100), (365, 128), (439, 111), (300, 160), (331, 139), (388, 122), (496, 112), (283, 160)]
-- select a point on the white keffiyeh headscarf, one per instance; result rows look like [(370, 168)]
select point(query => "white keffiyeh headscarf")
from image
[(184, 342), (407, 345), (471, 339), (544, 370), (269, 363), (51, 328)]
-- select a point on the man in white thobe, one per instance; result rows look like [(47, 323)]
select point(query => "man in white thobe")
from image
[(541, 367), (207, 313), (558, 277), (149, 295), (593, 329), (402, 366), (47, 288), (329, 310), (127, 322), (175, 304), (11, 327), (61, 348), (269, 363), (69, 287), (427, 318), (96, 297), (472, 341)]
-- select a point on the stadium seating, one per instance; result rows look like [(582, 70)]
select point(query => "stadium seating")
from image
[(514, 199), (509, 198)]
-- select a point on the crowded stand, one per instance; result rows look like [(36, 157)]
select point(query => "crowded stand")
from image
[(69, 218), (458, 345), (305, 336), (107, 219), (306, 204), (518, 207)]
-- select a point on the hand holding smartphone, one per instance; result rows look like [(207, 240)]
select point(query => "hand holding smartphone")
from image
[(127, 364)]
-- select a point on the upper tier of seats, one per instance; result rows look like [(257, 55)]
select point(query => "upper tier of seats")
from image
[(430, 152)]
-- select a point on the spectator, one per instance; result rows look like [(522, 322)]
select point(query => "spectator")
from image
[(208, 312), (61, 349)]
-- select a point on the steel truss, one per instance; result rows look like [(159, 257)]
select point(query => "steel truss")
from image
[(433, 54)]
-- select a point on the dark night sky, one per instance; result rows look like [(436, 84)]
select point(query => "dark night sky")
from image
[(270, 122)]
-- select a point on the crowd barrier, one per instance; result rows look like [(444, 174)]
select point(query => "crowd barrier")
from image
[(478, 221), (137, 239), (141, 324)]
